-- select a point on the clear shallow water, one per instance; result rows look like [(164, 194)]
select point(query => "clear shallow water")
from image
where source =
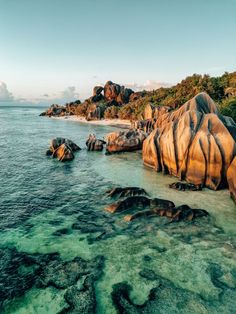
[(51, 207)]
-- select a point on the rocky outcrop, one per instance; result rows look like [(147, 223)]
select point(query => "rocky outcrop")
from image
[(192, 143), (137, 204), (154, 112), (93, 108), (62, 148), (125, 141), (61, 111), (54, 111), (94, 144), (93, 112), (128, 203), (179, 213), (125, 192), (181, 186), (231, 178)]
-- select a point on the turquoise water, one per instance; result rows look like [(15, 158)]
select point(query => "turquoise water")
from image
[(51, 207)]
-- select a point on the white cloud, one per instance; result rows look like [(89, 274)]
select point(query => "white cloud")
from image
[(149, 85), (67, 95), (5, 95)]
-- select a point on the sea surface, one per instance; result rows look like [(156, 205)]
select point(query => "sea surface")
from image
[(61, 252)]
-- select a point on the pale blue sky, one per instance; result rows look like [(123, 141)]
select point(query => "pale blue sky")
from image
[(48, 45)]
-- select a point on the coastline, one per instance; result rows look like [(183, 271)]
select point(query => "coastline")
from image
[(119, 123)]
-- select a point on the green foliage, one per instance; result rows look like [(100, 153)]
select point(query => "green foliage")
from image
[(228, 107), (111, 112), (173, 97)]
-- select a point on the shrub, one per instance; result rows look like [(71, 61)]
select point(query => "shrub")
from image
[(111, 112), (228, 107)]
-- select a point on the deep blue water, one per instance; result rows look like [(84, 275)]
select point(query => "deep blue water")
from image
[(51, 207)]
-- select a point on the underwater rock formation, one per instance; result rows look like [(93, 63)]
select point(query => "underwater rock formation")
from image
[(62, 274), (168, 298), (81, 300), (94, 144), (62, 148), (127, 203), (125, 192), (181, 186), (180, 213), (192, 143), (125, 141), (231, 178)]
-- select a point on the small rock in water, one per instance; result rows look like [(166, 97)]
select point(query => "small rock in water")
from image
[(94, 144), (148, 274), (62, 148), (127, 203), (185, 186), (125, 192)]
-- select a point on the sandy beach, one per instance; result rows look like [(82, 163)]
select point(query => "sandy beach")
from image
[(124, 124)]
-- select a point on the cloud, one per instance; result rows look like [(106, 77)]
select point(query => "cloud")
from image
[(5, 95), (149, 85), (67, 95)]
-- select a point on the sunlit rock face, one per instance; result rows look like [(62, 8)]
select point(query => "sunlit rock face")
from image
[(62, 148), (113, 91), (125, 141), (231, 177), (192, 143)]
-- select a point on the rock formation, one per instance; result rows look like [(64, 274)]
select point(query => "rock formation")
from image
[(93, 108), (94, 144), (125, 141), (181, 186), (156, 206), (128, 203), (62, 148), (194, 143), (231, 178), (125, 192), (179, 213)]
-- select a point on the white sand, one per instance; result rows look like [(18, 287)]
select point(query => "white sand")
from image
[(110, 122)]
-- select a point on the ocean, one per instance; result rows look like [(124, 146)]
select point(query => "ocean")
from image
[(61, 252)]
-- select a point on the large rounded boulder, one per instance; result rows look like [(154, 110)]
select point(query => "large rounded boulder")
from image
[(62, 148), (125, 141), (192, 143)]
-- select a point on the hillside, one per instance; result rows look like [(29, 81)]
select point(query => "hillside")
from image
[(116, 101)]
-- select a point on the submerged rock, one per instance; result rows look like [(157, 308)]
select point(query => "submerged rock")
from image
[(81, 300), (166, 297), (180, 213), (62, 148), (125, 192), (192, 143), (94, 144), (185, 186), (128, 203), (125, 141), (62, 274)]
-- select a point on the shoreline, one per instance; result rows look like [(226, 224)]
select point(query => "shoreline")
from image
[(119, 123)]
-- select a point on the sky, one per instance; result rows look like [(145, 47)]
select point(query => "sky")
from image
[(59, 49)]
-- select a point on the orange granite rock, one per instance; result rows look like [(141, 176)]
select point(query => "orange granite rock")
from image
[(192, 143)]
